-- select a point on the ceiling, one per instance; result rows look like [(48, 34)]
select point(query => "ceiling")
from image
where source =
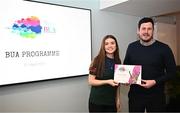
[(143, 7)]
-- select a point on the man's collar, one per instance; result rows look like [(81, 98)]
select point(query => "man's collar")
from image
[(147, 43)]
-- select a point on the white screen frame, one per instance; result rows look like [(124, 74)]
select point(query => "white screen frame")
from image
[(71, 59)]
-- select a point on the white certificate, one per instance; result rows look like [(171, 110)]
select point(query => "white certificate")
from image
[(130, 74)]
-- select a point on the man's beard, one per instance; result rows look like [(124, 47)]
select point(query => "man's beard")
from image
[(144, 39)]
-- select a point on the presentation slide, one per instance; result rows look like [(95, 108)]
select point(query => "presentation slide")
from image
[(42, 41)]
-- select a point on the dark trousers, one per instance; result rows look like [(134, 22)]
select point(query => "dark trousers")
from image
[(152, 103), (93, 108)]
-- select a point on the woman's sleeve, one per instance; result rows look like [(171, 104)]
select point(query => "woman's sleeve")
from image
[(92, 69)]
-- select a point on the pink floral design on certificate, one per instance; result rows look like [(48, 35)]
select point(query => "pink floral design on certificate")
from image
[(134, 76)]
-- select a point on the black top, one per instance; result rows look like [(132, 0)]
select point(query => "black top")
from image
[(157, 62), (104, 94)]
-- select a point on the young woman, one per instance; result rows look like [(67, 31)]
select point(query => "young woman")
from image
[(105, 92)]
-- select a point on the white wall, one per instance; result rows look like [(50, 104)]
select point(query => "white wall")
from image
[(109, 3), (71, 94)]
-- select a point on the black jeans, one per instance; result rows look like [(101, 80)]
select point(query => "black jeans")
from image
[(152, 103), (94, 108)]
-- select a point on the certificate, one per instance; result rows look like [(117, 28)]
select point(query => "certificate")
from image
[(130, 74)]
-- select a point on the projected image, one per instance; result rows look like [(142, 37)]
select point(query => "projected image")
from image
[(27, 27), (41, 41)]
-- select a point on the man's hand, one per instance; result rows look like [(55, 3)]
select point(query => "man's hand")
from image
[(148, 83)]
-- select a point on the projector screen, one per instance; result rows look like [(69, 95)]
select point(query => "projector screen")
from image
[(42, 41)]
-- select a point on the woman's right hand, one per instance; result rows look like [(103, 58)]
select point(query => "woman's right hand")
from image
[(94, 82), (112, 82)]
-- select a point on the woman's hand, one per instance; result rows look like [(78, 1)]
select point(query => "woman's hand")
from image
[(118, 105), (94, 82), (118, 99), (112, 82)]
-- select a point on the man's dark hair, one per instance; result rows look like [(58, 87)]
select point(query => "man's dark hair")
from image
[(145, 20)]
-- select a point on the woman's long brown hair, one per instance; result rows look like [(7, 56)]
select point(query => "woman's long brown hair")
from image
[(99, 60)]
